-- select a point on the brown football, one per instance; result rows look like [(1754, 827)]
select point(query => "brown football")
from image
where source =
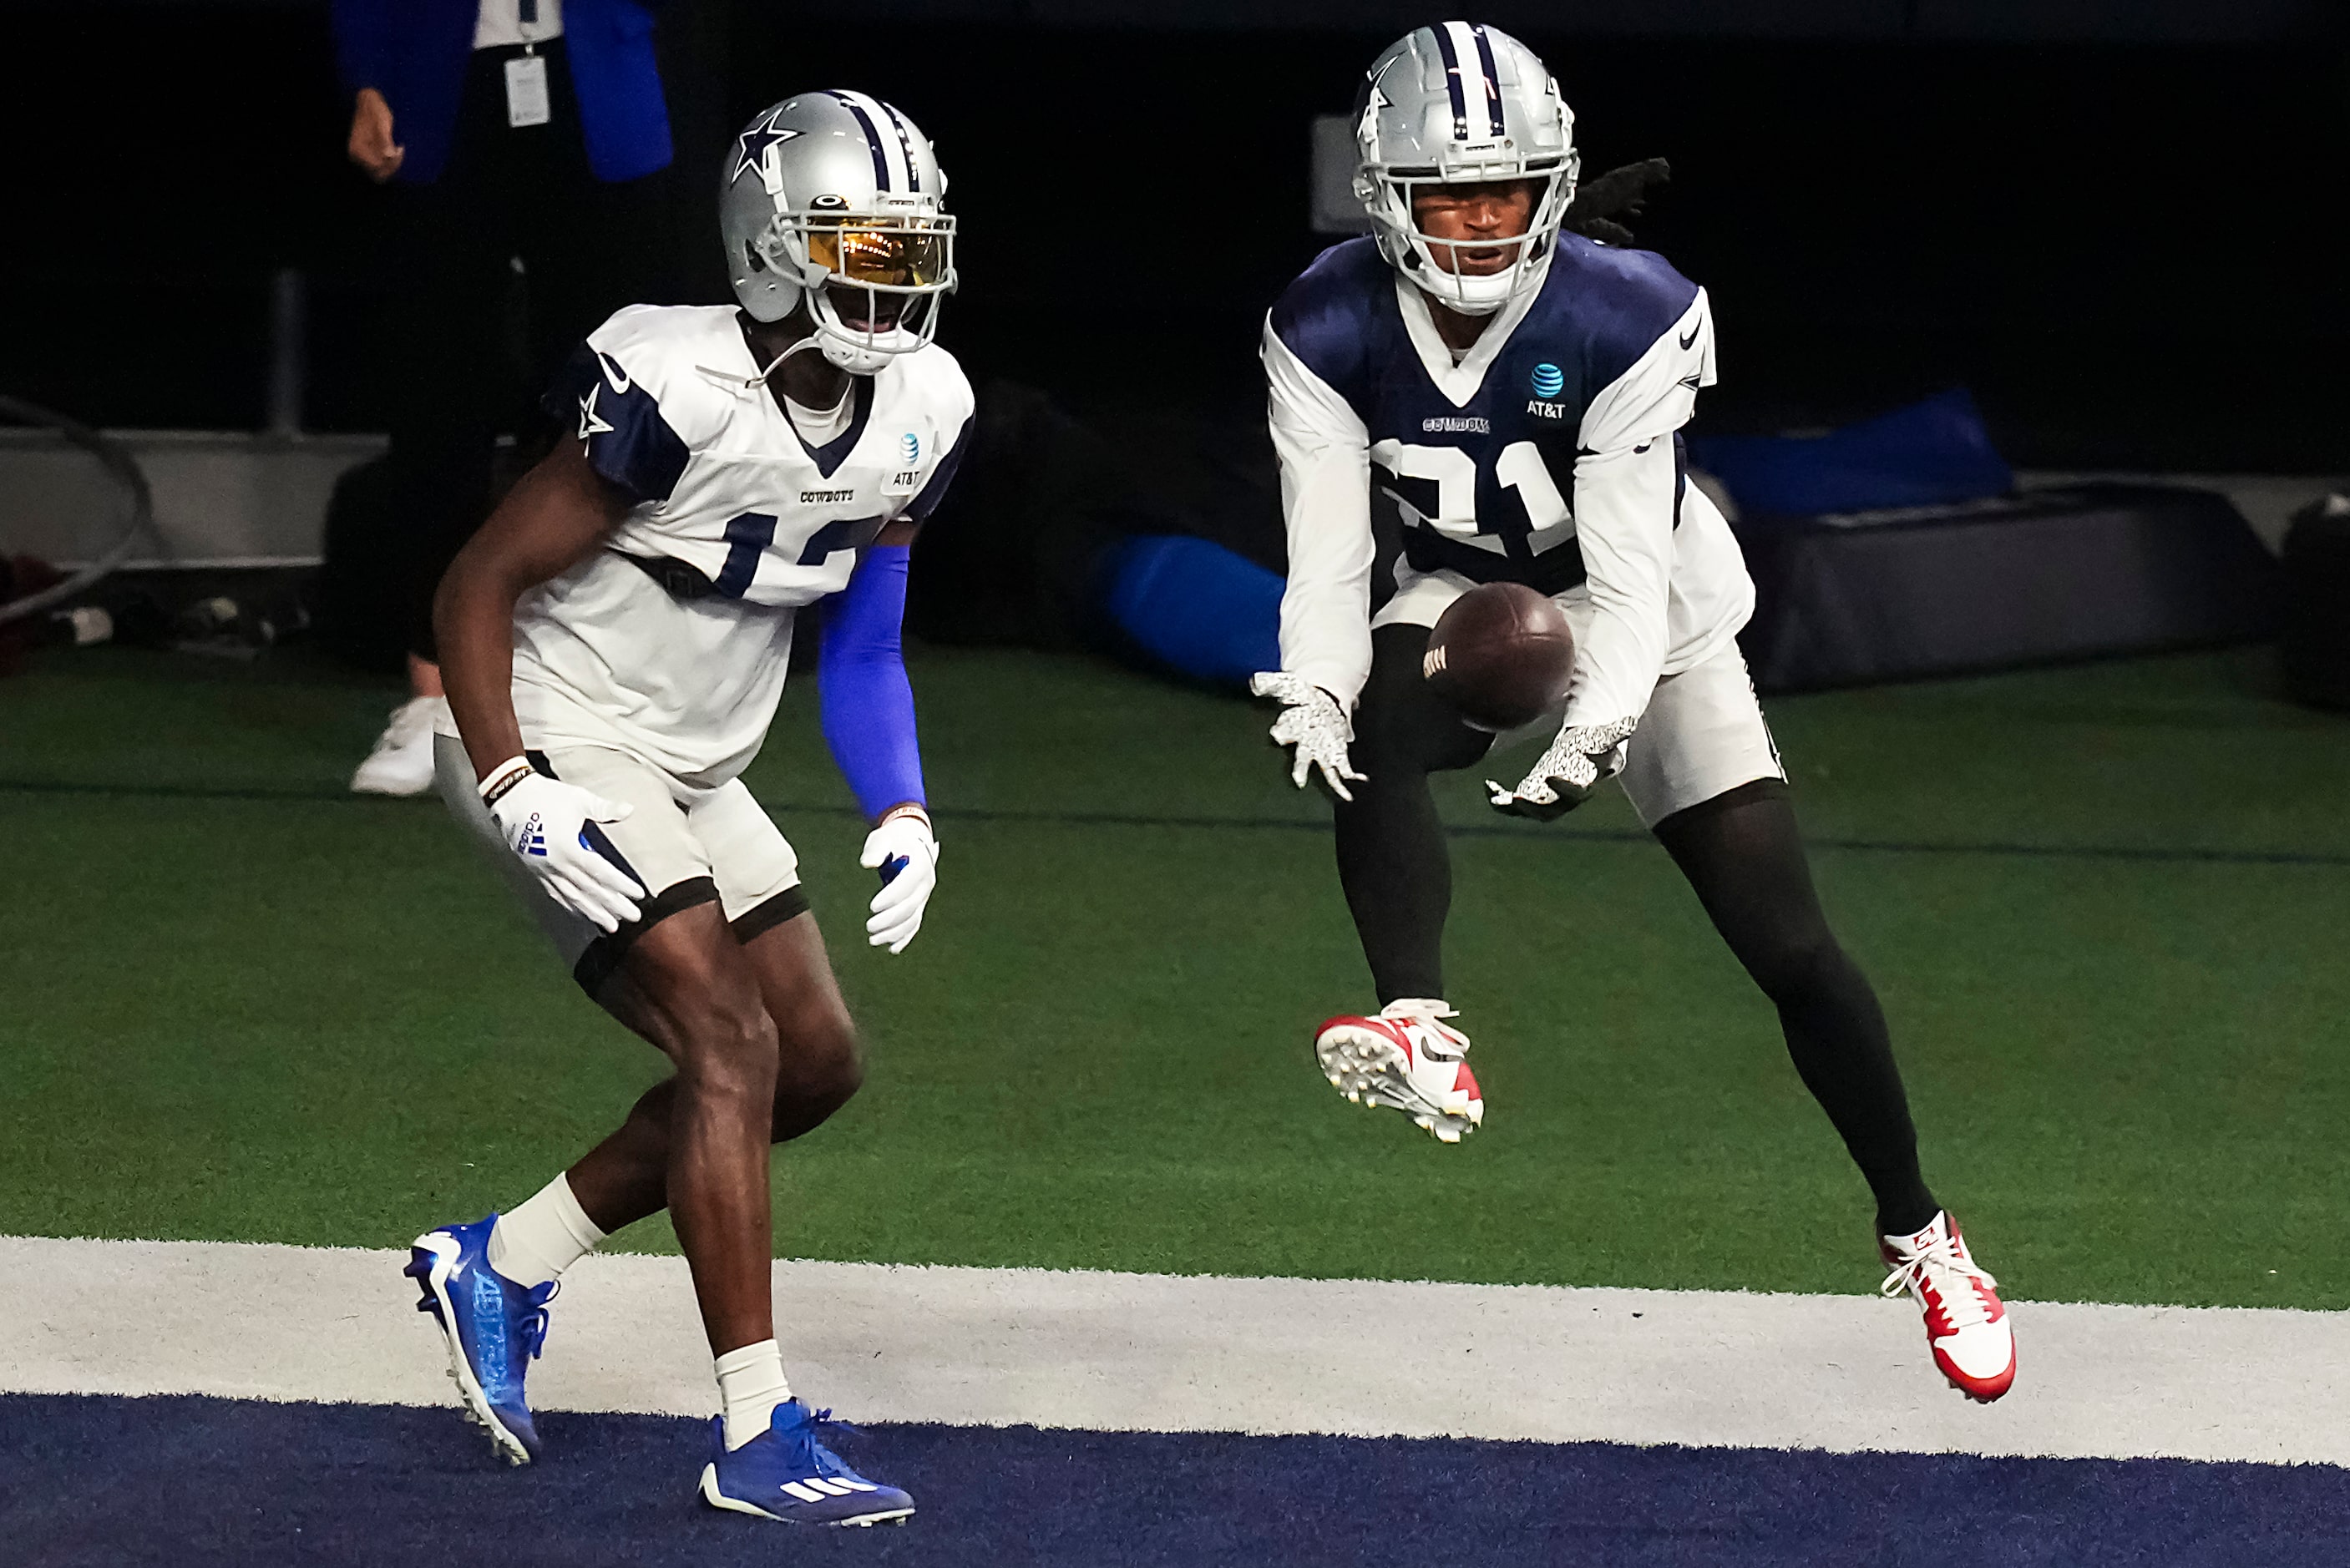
[(1503, 655)]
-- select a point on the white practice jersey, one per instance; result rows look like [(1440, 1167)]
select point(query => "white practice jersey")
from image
[(1548, 455), (671, 643)]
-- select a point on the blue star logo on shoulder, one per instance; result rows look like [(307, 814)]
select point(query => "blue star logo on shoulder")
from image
[(1548, 380)]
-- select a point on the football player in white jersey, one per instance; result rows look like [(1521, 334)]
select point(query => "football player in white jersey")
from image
[(1510, 393), (614, 643)]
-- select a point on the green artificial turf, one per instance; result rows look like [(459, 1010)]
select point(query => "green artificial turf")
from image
[(2105, 906)]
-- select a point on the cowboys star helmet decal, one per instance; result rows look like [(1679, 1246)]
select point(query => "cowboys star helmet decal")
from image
[(751, 147)]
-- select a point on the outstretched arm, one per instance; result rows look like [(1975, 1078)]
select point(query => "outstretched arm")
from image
[(1325, 503), (1325, 623)]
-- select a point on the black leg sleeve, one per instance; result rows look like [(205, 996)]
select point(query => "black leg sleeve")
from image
[(1744, 854), (1392, 859)]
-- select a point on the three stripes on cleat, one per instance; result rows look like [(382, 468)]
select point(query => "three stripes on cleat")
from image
[(815, 1488)]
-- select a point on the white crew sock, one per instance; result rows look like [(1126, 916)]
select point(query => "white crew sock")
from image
[(544, 1234), (750, 1383)]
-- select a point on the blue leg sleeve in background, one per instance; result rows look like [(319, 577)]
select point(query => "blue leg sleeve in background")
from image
[(1195, 606)]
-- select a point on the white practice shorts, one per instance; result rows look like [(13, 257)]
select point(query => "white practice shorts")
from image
[(1703, 736), (687, 845)]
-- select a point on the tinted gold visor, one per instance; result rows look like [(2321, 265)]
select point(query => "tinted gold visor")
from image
[(909, 254)]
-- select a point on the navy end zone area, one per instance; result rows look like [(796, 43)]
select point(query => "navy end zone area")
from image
[(275, 1484)]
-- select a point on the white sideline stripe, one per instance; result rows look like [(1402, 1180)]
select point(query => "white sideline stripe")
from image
[(1164, 1353)]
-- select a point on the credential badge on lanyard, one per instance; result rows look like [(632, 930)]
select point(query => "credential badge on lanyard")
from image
[(526, 98)]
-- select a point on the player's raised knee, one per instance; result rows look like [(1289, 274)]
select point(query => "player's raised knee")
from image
[(835, 1065), (820, 1070), (804, 1102)]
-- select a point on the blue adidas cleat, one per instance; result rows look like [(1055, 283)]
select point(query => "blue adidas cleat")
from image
[(493, 1326), (784, 1473)]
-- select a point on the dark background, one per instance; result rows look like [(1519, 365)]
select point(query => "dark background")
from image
[(2120, 225)]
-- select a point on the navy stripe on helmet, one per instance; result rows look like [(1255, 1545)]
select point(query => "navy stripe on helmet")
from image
[(906, 141), (1452, 82), (872, 141), (1492, 78)]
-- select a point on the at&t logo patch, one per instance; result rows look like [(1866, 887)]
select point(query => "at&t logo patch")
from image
[(1548, 380)]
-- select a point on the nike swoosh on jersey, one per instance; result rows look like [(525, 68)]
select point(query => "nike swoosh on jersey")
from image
[(619, 378), (1693, 331)]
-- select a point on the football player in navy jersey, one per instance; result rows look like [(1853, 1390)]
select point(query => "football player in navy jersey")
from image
[(1507, 395), (615, 641)]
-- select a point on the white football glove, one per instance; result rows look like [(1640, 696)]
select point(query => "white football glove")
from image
[(906, 853), (1316, 723), (1566, 773), (550, 823)]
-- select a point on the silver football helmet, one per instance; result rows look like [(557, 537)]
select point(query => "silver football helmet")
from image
[(1458, 103), (829, 195)]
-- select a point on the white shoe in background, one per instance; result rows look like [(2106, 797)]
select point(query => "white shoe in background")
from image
[(401, 762)]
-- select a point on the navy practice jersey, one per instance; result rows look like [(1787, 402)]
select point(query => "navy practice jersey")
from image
[(1548, 454)]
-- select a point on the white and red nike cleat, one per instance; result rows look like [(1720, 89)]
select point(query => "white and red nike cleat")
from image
[(1965, 1324), (1407, 1061)]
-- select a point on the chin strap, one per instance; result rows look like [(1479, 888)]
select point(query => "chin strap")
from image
[(748, 386), (811, 341), (853, 351), (1443, 287)]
